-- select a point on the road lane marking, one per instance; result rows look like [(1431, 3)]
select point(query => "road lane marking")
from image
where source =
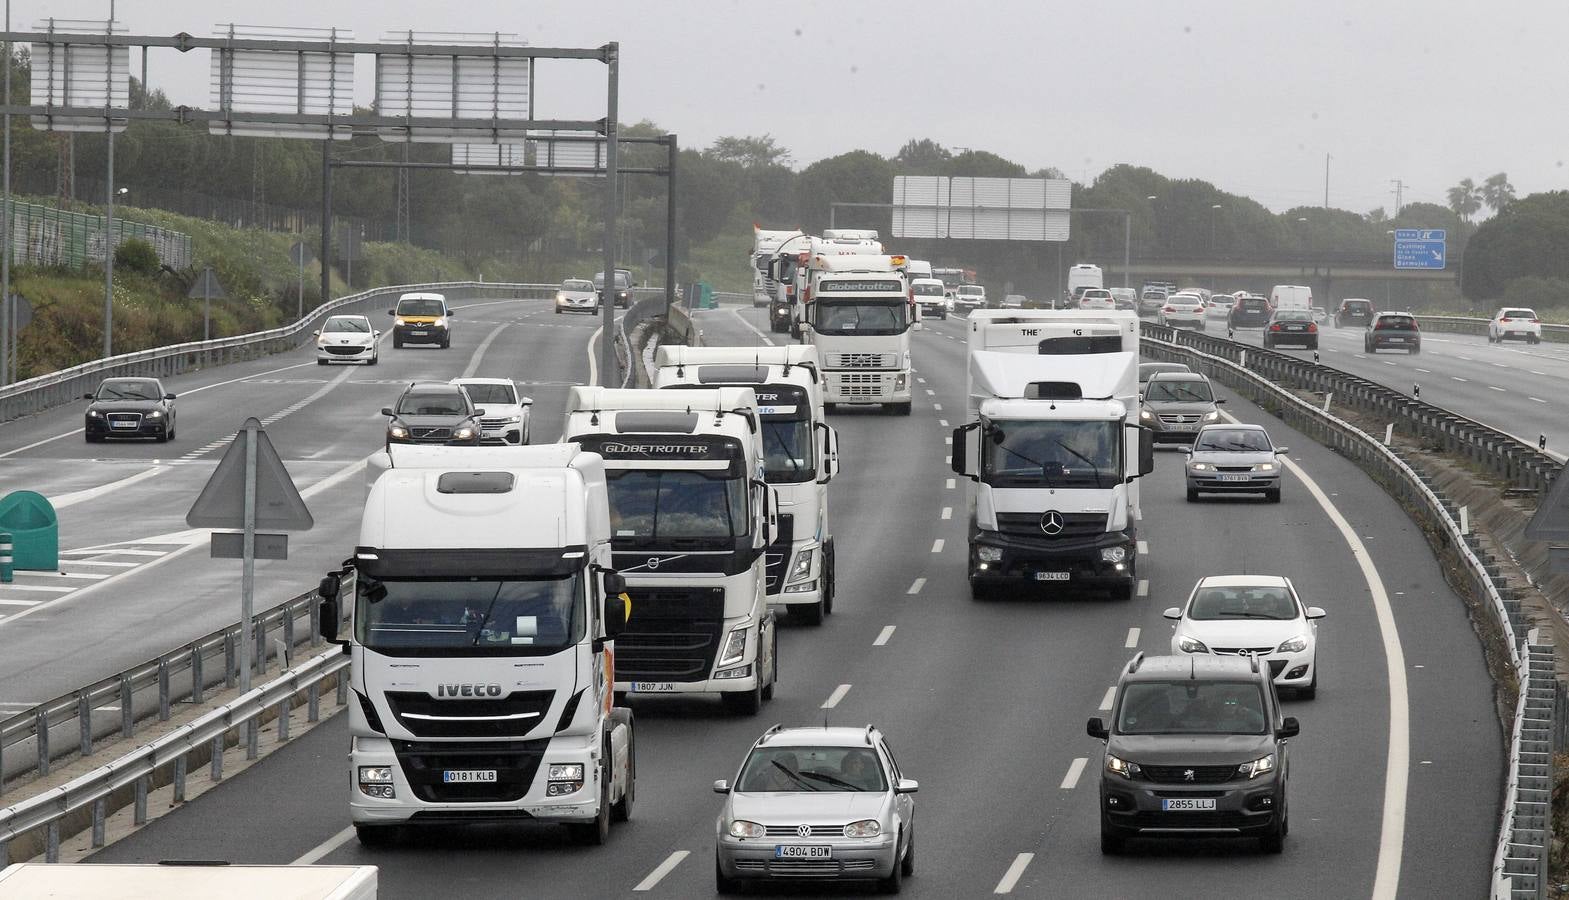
[(593, 366), (98, 562), (479, 352), (949, 485), (90, 576), (836, 696), (76, 497), (937, 406), (948, 439), (943, 422), (1144, 548), (39, 588), (884, 635), (1388, 363), (1071, 780), (1537, 399), (1105, 702), (922, 381), (20, 602), (947, 511), (937, 545), (1144, 587), (1014, 873), (321, 850), (1494, 387), (915, 587), (1456, 378), (1133, 639), (118, 551), (1425, 371), (930, 392), (665, 868)]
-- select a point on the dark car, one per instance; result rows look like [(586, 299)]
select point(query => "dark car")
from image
[(1291, 326), (433, 414), (129, 408), (1176, 405), (1354, 312), (1249, 312), (623, 287), (1196, 747), (1392, 331)]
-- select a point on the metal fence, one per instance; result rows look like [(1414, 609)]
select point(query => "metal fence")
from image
[(1520, 860), (47, 236)]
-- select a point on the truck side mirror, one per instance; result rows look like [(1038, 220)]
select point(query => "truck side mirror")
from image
[(961, 449), (328, 615), (1146, 450), (830, 454), (615, 617), (615, 583)]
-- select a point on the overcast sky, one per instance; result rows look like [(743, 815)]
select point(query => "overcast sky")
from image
[(1248, 95)]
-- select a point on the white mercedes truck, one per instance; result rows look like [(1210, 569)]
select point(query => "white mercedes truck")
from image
[(691, 519), (800, 457), (858, 312), (481, 616), (1053, 449)]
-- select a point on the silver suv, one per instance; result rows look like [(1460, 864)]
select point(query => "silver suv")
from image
[(1196, 747), (1176, 405), (816, 803)]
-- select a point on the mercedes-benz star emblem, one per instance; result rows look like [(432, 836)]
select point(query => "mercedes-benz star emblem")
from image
[(1052, 522), (804, 830)]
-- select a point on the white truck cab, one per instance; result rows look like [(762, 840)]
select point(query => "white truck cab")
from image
[(859, 314)]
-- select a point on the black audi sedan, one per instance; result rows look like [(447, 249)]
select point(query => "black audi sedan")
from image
[(129, 408)]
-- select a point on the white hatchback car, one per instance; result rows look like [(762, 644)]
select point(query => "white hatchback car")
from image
[(1514, 322), (347, 339), (1252, 615), (1183, 311), (1097, 298), (506, 415)]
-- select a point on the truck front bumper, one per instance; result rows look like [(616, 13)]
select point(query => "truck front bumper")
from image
[(867, 386), (1104, 560)]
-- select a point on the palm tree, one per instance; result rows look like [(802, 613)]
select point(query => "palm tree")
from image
[(1465, 199), (1497, 192)]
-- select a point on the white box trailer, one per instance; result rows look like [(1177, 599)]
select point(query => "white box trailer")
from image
[(166, 881)]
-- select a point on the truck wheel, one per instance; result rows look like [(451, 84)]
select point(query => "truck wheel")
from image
[(622, 811), (595, 833), (744, 703), (809, 615), (376, 835)]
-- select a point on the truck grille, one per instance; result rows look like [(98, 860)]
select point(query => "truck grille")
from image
[(859, 385), (778, 554), (673, 634), (1179, 774), (511, 716), (1073, 525), (515, 763), (860, 361)]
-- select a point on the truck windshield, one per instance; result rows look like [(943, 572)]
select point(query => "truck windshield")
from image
[(488, 616), (868, 316), (1054, 453), (653, 508), (787, 452)]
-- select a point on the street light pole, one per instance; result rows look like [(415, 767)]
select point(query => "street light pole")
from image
[(1326, 181), (109, 242), (5, 230)]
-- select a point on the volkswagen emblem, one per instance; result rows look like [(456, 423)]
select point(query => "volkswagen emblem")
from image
[(1052, 523), (803, 830), (1188, 774), (653, 562)]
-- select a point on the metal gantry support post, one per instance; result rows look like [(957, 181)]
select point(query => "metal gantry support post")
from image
[(607, 331), (326, 219), (673, 151)]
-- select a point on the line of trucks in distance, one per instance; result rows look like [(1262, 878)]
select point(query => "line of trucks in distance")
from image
[(501, 601)]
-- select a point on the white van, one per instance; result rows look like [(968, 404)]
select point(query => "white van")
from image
[(1291, 296)]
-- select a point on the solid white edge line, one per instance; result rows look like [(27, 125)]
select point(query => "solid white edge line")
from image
[(1014, 873), (321, 850), (915, 586), (1105, 702), (479, 352), (1391, 839), (836, 696), (1133, 639), (593, 367), (76, 497), (884, 636), (750, 327), (1071, 780), (664, 868)]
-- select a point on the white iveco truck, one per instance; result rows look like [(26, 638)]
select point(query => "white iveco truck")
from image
[(691, 518), (800, 457), (858, 312), (482, 611), (1053, 449)]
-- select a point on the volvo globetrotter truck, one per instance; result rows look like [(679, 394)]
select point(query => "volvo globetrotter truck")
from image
[(482, 609), (1053, 449), (800, 457), (858, 313), (691, 518)]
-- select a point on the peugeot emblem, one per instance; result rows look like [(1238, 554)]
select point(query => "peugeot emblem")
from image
[(1187, 774), (653, 562), (804, 830), (1052, 523)]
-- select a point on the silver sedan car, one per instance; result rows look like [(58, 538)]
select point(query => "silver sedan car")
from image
[(816, 803), (1231, 459)]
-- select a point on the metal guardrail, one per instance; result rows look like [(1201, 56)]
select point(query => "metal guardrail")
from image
[(88, 800), (1472, 325), (1520, 859), (1504, 455)]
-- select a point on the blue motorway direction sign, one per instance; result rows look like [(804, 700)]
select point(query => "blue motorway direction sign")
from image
[(1420, 248)]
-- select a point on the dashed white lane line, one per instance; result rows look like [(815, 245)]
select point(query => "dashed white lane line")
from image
[(947, 511), (1014, 873), (1105, 702), (915, 586), (930, 392), (937, 545), (1144, 548), (1494, 387), (664, 868), (1537, 399), (1133, 639), (90, 576), (1144, 587), (320, 851), (948, 439), (950, 483), (1456, 378), (943, 422), (1425, 371), (99, 562), (1534, 372), (1388, 363), (836, 696), (937, 406), (1075, 769), (922, 381), (884, 635), (19, 602)]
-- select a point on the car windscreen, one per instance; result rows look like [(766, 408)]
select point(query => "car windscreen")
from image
[(1191, 706), (972, 289), (1050, 452), (1293, 315), (579, 285), (1175, 391), (346, 325), (481, 394), (1357, 306), (1517, 314), (421, 307), (928, 290), (488, 615), (129, 390), (1242, 602), (1232, 440), (649, 506), (811, 769), (432, 403), (1396, 323), (869, 316)]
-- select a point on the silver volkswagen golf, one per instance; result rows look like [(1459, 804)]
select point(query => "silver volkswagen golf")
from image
[(816, 803)]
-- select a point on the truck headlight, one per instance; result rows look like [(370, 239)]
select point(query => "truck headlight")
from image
[(1119, 766), (743, 829), (1261, 766), (803, 565), (1295, 645), (735, 646), (376, 781), (563, 779), (1191, 645), (1113, 554), (863, 829), (988, 554)]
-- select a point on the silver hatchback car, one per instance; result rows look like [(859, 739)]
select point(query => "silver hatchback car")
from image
[(816, 804), (1230, 459)]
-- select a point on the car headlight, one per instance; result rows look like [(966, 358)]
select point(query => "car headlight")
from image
[(803, 566), (1261, 766), (1266, 467), (560, 296), (400, 321), (397, 431), (1119, 766), (1146, 415), (1191, 645), (1212, 415), (1295, 645), (440, 322), (155, 414), (988, 554), (1200, 467), (94, 414), (735, 646), (1113, 554), (464, 434), (863, 829), (741, 828)]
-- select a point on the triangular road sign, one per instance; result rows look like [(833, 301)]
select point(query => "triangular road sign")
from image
[(206, 285), (279, 506)]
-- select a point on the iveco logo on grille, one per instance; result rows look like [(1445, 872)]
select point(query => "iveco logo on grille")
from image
[(804, 830), (1052, 522), (468, 690)]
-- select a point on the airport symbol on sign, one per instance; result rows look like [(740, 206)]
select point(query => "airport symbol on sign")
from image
[(1420, 248)]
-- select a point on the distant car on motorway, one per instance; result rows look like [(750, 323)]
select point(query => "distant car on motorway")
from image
[(506, 413), (1392, 331), (817, 803), (969, 296), (433, 413), (623, 286), (1291, 326), (577, 295), (1319, 315), (1196, 747), (931, 297), (1232, 615), (1352, 311), (129, 408), (1125, 298), (1015, 301), (347, 339), (421, 318), (1183, 311), (1151, 300), (1219, 307), (1250, 311), (1514, 323), (1097, 298), (1233, 459), (1175, 405)]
